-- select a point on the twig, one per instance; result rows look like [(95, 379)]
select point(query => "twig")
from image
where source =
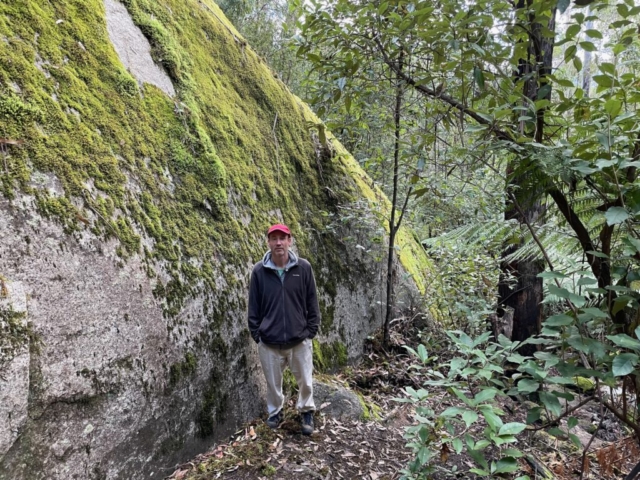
[(635, 427), (566, 413)]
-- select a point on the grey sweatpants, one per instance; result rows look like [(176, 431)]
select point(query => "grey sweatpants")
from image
[(300, 361)]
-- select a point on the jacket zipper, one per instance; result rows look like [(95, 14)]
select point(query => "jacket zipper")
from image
[(284, 312)]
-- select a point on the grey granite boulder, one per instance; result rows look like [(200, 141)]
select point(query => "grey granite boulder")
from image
[(337, 401)]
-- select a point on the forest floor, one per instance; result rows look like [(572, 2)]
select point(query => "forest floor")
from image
[(376, 449)]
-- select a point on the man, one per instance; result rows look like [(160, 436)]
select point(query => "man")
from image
[(283, 318)]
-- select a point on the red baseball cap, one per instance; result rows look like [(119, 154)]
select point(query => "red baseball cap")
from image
[(278, 227)]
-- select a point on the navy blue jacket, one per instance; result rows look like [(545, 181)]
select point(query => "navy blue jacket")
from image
[(283, 312)]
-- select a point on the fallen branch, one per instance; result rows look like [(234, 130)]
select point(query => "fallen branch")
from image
[(565, 414)]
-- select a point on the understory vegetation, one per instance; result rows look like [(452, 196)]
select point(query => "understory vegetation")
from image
[(507, 136)]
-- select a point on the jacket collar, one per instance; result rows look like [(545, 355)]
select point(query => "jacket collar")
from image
[(268, 263)]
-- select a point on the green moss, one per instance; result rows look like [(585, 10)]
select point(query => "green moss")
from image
[(213, 407), (14, 333), (133, 164), (289, 384), (183, 369), (370, 411), (329, 356), (584, 384), (268, 470)]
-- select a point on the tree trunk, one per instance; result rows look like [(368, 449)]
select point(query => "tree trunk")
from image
[(525, 296), (393, 228)]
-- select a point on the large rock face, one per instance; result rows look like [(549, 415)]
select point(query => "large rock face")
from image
[(144, 149)]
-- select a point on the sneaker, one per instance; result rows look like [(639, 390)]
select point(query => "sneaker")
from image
[(307, 423), (274, 420)]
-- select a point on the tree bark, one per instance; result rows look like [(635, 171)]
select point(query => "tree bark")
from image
[(526, 295)]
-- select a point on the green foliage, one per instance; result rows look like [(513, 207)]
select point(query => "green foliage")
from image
[(269, 28), (565, 140), (474, 378)]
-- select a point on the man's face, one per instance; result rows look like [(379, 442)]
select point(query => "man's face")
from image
[(279, 243)]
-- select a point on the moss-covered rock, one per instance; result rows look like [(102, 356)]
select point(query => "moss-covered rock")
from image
[(134, 218)]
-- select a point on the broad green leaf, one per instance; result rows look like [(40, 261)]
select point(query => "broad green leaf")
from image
[(587, 345), (633, 242), (502, 439), (587, 281), (550, 359), (512, 452), (558, 321), (482, 338), (547, 275), (533, 415), (625, 341), (512, 428), (621, 303), (478, 456), (577, 300), (465, 340), (577, 63), (452, 412), (605, 163), (612, 107), (506, 465), (607, 67), (603, 80), (469, 417), (588, 46), (482, 444), (543, 92), (572, 422), (575, 440), (494, 421), (457, 364), (424, 455), (572, 31), (595, 312), (616, 215), (479, 77), (594, 33), (457, 445), (603, 138), (563, 5), (624, 364), (480, 471), (462, 397), (527, 386), (638, 333), (557, 432), (422, 353), (551, 402), (485, 395)]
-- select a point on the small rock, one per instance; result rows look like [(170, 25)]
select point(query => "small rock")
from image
[(337, 401)]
